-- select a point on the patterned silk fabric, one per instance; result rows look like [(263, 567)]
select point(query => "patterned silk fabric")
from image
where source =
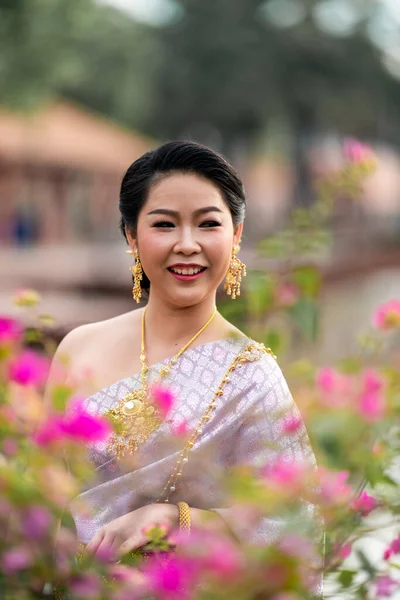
[(246, 428)]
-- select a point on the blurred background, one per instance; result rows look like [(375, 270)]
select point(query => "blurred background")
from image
[(87, 86)]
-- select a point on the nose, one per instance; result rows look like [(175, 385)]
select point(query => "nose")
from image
[(186, 243)]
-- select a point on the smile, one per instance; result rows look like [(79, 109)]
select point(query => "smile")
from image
[(186, 273)]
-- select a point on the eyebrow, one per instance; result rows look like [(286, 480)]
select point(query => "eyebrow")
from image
[(175, 213)]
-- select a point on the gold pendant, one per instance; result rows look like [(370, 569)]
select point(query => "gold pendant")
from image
[(135, 420)]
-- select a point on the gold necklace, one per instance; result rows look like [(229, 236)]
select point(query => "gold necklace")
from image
[(134, 417)]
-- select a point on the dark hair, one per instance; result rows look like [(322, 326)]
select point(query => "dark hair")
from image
[(180, 157)]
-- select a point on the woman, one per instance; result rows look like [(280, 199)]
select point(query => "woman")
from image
[(182, 210)]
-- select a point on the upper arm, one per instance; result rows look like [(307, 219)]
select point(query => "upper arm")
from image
[(262, 438)]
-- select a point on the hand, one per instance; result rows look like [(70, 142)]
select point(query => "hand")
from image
[(126, 533)]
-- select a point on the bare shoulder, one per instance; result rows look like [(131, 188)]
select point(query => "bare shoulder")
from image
[(102, 352), (84, 336)]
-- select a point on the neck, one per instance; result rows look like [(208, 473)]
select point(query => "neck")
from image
[(171, 326)]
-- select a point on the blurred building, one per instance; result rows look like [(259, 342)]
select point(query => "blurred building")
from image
[(60, 171)]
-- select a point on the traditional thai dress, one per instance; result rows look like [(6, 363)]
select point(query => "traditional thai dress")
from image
[(244, 428)]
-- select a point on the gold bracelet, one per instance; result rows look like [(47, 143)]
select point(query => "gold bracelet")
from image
[(184, 517)]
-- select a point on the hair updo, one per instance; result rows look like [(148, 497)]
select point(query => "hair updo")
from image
[(179, 157)]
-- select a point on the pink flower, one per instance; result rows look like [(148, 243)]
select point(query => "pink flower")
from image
[(373, 381), (36, 522), (372, 406), (393, 548), (50, 431), (29, 368), (372, 401), (77, 424), (86, 585), (287, 294), (387, 315), (334, 386), (180, 428), (284, 473), (80, 425), (356, 152), (172, 577), (333, 487), (364, 504), (222, 558), (291, 424), (164, 399), (385, 586), (11, 331), (344, 551), (16, 559)]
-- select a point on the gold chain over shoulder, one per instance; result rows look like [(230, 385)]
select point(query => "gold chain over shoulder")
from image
[(250, 353)]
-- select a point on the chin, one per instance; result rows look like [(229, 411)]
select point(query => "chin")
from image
[(187, 298)]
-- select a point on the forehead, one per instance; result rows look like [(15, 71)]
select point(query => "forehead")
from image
[(184, 191)]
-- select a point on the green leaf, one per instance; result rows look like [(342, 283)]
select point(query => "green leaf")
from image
[(365, 563), (274, 340), (308, 279), (260, 293), (60, 397), (305, 315), (346, 578)]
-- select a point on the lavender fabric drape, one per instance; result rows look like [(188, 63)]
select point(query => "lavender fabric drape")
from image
[(246, 428)]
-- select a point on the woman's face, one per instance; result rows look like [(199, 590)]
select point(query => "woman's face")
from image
[(185, 237)]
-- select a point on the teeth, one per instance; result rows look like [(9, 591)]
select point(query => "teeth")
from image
[(190, 271)]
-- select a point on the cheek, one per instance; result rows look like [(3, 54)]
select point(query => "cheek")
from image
[(219, 251)]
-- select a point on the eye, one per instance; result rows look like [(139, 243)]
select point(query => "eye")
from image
[(163, 224), (208, 224)]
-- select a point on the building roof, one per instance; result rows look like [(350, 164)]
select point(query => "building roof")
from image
[(63, 134)]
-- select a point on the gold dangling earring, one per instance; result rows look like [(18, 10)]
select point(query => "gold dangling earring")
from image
[(236, 271), (137, 273)]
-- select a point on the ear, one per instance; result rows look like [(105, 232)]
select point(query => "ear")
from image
[(237, 235), (131, 239)]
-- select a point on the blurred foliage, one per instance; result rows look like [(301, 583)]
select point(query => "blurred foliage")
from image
[(219, 72)]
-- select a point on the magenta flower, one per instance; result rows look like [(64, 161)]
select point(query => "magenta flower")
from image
[(373, 381), (364, 504), (344, 551), (172, 577), (180, 428), (82, 426), (291, 424), (11, 331), (284, 473), (16, 559), (393, 548), (29, 368), (372, 406), (385, 586), (372, 401), (86, 585), (222, 558), (77, 424), (387, 315), (356, 152), (333, 487), (36, 522), (164, 399), (334, 386)]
